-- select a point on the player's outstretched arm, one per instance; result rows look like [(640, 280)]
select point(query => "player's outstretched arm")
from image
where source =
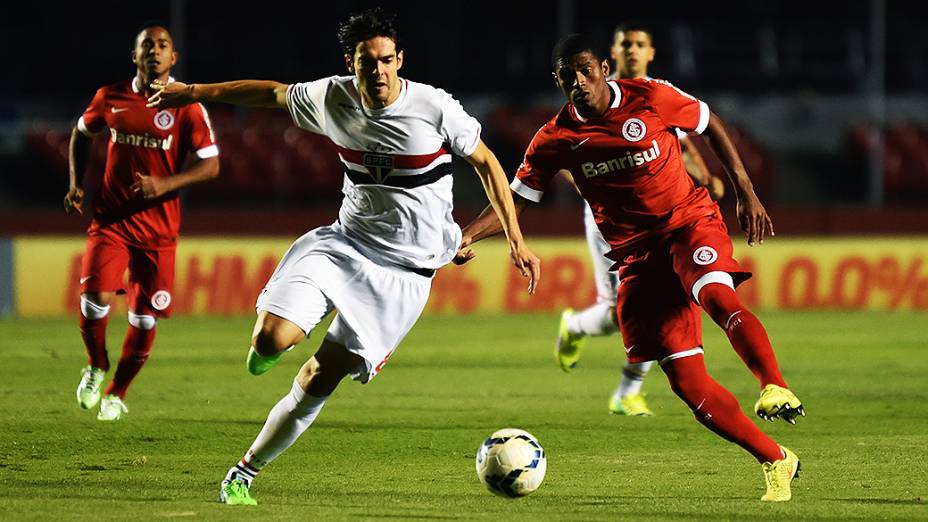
[(78, 153), (248, 93), (752, 215), (505, 217), (152, 187)]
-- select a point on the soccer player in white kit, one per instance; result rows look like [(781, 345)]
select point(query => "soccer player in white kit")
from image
[(375, 263), (632, 50)]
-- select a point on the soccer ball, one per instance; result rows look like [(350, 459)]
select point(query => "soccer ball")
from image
[(511, 463)]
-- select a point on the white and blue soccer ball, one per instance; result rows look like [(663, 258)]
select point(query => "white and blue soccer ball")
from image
[(511, 463)]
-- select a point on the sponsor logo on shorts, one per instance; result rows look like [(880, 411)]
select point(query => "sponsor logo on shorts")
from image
[(634, 129), (164, 120), (161, 300), (705, 255)]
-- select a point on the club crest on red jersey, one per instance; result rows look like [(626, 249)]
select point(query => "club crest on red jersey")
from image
[(634, 129), (705, 255), (164, 120), (161, 300)]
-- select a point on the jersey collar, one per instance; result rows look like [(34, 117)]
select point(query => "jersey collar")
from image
[(137, 86), (616, 100)]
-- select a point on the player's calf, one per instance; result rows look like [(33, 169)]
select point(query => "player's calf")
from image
[(273, 335)]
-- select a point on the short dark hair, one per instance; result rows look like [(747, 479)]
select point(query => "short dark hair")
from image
[(573, 44), (366, 25), (635, 25), (148, 24)]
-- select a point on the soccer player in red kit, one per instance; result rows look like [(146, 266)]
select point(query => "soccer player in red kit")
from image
[(667, 237), (136, 213)]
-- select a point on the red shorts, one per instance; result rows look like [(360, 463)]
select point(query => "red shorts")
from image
[(657, 313), (151, 273)]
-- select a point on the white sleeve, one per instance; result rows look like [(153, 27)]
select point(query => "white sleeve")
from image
[(680, 133), (306, 102), (460, 130)]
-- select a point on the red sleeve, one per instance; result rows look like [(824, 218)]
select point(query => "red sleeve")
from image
[(92, 121), (201, 136), (677, 108), (538, 167)]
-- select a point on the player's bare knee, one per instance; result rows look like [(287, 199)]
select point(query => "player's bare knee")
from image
[(273, 335), (308, 373)]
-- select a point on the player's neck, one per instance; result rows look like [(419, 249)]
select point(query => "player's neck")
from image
[(145, 83), (599, 109)]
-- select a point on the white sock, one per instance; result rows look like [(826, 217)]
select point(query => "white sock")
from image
[(596, 320), (632, 378), (287, 420)]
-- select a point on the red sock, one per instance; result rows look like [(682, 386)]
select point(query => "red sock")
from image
[(745, 332), (717, 409), (134, 354), (93, 331)]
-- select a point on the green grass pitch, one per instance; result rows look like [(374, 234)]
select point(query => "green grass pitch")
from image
[(402, 447)]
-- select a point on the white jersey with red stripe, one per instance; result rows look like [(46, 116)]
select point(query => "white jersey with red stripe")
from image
[(397, 160)]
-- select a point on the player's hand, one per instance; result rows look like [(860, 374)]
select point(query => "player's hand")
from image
[(74, 201), (150, 187), (527, 263), (174, 94), (754, 219), (716, 188), (465, 253)]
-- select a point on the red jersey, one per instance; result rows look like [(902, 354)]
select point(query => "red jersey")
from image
[(627, 163), (151, 142)]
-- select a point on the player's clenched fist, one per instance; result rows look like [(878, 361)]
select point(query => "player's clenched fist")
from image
[(174, 94), (74, 201)]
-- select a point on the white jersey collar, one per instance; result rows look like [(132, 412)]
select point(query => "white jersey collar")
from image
[(137, 85)]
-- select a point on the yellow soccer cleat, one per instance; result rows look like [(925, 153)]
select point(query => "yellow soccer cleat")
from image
[(778, 476), (631, 405), (778, 402), (569, 345)]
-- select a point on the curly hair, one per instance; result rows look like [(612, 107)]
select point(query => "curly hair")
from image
[(366, 25)]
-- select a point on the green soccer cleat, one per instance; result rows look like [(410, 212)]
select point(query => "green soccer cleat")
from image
[(88, 391), (778, 476), (112, 408), (569, 345), (235, 493), (258, 364), (631, 405), (778, 402)]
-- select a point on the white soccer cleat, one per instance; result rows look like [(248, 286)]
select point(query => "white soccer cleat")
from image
[(112, 408), (88, 391)]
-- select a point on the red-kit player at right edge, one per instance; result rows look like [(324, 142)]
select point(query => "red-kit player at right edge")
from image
[(136, 213), (617, 139)]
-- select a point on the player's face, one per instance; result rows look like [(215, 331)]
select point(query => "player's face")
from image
[(637, 52), (376, 64), (154, 53), (582, 78)]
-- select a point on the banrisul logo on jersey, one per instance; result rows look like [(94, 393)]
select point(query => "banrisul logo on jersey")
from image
[(379, 165), (627, 161)]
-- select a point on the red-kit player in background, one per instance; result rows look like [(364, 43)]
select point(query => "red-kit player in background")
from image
[(669, 241), (136, 213)]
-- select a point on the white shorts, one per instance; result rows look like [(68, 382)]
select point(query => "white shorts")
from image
[(607, 283), (377, 304)]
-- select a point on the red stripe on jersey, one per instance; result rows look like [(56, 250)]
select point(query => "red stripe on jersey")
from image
[(400, 161)]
